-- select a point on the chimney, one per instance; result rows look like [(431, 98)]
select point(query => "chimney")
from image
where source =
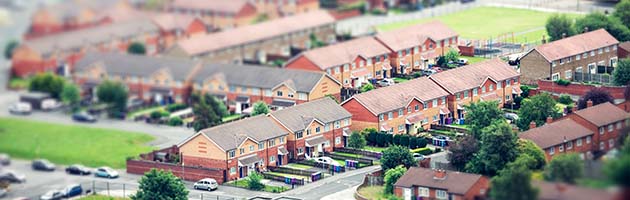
[(589, 103), (549, 120), (439, 174), (532, 125)]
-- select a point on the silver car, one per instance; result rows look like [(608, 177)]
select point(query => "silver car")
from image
[(206, 184)]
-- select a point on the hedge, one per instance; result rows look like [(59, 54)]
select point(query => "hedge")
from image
[(175, 107), (424, 151), (382, 139)]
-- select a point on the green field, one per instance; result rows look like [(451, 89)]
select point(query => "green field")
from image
[(490, 22), (64, 144)]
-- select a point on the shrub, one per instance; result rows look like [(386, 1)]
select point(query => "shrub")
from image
[(563, 82), (159, 114), (422, 142), (175, 121), (176, 107), (417, 74), (423, 151), (254, 182), (437, 150), (565, 99)]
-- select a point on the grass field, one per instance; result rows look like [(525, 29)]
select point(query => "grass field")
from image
[(374, 192), (473, 60), (64, 144), (489, 22)]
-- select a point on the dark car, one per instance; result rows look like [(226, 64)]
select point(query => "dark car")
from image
[(78, 169), (43, 165), (83, 117), (12, 177), (72, 190), (5, 159)]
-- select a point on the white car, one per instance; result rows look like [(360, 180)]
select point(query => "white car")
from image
[(106, 172), (50, 104), (20, 108), (52, 195), (206, 184), (385, 82), (418, 156), (326, 160)]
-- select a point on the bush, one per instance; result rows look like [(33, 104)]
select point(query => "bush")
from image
[(437, 150), (423, 151), (563, 82), (254, 182), (422, 142), (159, 114), (176, 107), (175, 121), (565, 99), (417, 74)]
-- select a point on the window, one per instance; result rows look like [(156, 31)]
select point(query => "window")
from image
[(440, 194), (443, 100), (241, 151), (231, 154), (417, 107), (399, 53), (361, 64), (300, 151), (400, 112), (610, 127), (232, 88), (409, 109), (308, 131), (337, 69), (299, 135), (423, 192), (614, 47), (338, 140), (577, 57), (499, 84), (561, 148), (551, 151), (601, 130), (457, 96), (408, 51), (354, 65), (584, 55), (562, 61), (466, 94), (555, 77), (337, 124), (281, 140), (272, 158), (619, 125), (390, 115), (272, 143), (601, 146), (578, 142), (592, 53), (435, 117), (380, 117), (317, 129), (268, 92), (588, 140), (261, 146), (327, 127), (416, 50), (611, 143), (435, 103), (251, 148), (507, 82), (425, 106), (256, 91), (600, 51), (567, 74), (570, 145), (279, 93), (475, 92), (553, 63), (346, 67), (232, 170), (483, 89), (400, 128), (302, 96), (491, 87)]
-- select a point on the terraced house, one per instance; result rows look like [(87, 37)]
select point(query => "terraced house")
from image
[(400, 108), (219, 14), (579, 57), (491, 80), (314, 127), (239, 147), (423, 183), (242, 85), (414, 47), (352, 62)]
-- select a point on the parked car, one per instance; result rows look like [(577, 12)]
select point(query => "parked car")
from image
[(385, 82), (20, 108), (511, 116), (72, 190), (106, 172), (12, 177), (326, 160), (43, 165), (50, 104), (462, 61), (206, 184), (78, 169), (83, 117), (418, 156), (5, 159), (428, 72), (52, 195)]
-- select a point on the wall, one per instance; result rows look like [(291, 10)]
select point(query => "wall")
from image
[(184, 172), (533, 67), (578, 88)]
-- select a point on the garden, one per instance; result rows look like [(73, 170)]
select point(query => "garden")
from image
[(255, 182)]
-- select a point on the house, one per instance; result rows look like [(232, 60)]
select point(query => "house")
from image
[(277, 9), (254, 43), (491, 80), (624, 50), (352, 62), (314, 127), (159, 80), (400, 108), (589, 132), (561, 191), (240, 86), (220, 14), (571, 58), (414, 47), (238, 147), (423, 183), (59, 52), (175, 27)]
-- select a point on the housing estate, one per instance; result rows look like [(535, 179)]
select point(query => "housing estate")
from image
[(219, 14), (424, 183), (572, 58)]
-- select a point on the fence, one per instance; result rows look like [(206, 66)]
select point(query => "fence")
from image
[(578, 89), (588, 77), (287, 180), (371, 154), (329, 167), (313, 175), (449, 128), (189, 173), (366, 161)]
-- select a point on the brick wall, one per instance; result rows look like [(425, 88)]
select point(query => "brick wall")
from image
[(578, 88), (183, 172)]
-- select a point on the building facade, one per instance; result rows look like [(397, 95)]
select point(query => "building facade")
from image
[(423, 183), (218, 14)]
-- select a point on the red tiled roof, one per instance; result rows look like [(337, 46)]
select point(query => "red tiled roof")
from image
[(172, 21), (255, 32), (399, 95), (345, 52), (412, 36), (603, 114), (454, 182), (556, 133), (576, 44), (223, 6), (625, 45), (471, 76), (554, 191)]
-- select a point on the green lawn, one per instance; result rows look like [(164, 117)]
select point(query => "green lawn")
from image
[(374, 149), (348, 154), (287, 175), (145, 111), (489, 22), (231, 117), (374, 192), (19, 83), (298, 166), (268, 188), (473, 60), (65, 144), (595, 183), (400, 80)]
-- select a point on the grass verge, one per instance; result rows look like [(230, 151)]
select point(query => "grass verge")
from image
[(102, 197), (298, 166), (268, 188), (374, 192)]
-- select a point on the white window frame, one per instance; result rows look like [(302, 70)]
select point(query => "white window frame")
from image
[(441, 194), (611, 143), (423, 192), (569, 145), (578, 142), (611, 127), (561, 148), (552, 150), (588, 140)]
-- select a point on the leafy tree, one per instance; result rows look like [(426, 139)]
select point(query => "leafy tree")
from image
[(115, 94), (356, 141), (462, 151), (557, 25), (527, 147), (618, 170), (452, 55), (175, 121), (208, 111), (137, 48), (254, 182), (536, 108), (391, 176), (496, 149), (597, 95), (366, 87), (260, 108), (315, 43), (9, 48), (596, 21), (621, 74), (622, 12), (565, 167), (482, 114), (70, 95), (160, 185), (514, 183), (565, 99), (396, 155), (48, 83)]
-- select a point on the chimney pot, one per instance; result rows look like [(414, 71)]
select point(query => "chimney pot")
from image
[(589, 103), (532, 124), (549, 119), (574, 108), (439, 174)]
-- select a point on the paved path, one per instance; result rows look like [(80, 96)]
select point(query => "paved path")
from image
[(327, 186)]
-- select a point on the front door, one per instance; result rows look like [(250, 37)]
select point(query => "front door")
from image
[(406, 194), (240, 172), (279, 160)]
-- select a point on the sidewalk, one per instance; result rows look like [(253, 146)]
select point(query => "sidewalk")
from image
[(332, 179)]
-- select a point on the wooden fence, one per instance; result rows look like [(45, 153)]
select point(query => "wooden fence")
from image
[(371, 154)]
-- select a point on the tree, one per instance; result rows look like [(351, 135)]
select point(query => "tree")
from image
[(596, 21), (254, 182), (208, 111), (452, 55), (622, 12), (367, 87), (356, 141), (621, 74), (618, 170), (559, 25), (514, 183), (565, 167), (462, 151), (391, 176), (260, 108), (527, 147), (10, 48), (48, 83), (537, 109), (396, 155), (497, 148), (70, 95), (115, 94), (597, 96), (482, 114), (161, 185), (137, 48)]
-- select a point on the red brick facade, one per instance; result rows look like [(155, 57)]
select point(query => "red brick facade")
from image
[(579, 89), (185, 172)]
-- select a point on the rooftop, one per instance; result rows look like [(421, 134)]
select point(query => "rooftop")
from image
[(471, 76), (297, 117), (231, 135), (454, 182), (415, 35), (576, 44), (555, 133), (137, 65), (603, 114), (345, 52)]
